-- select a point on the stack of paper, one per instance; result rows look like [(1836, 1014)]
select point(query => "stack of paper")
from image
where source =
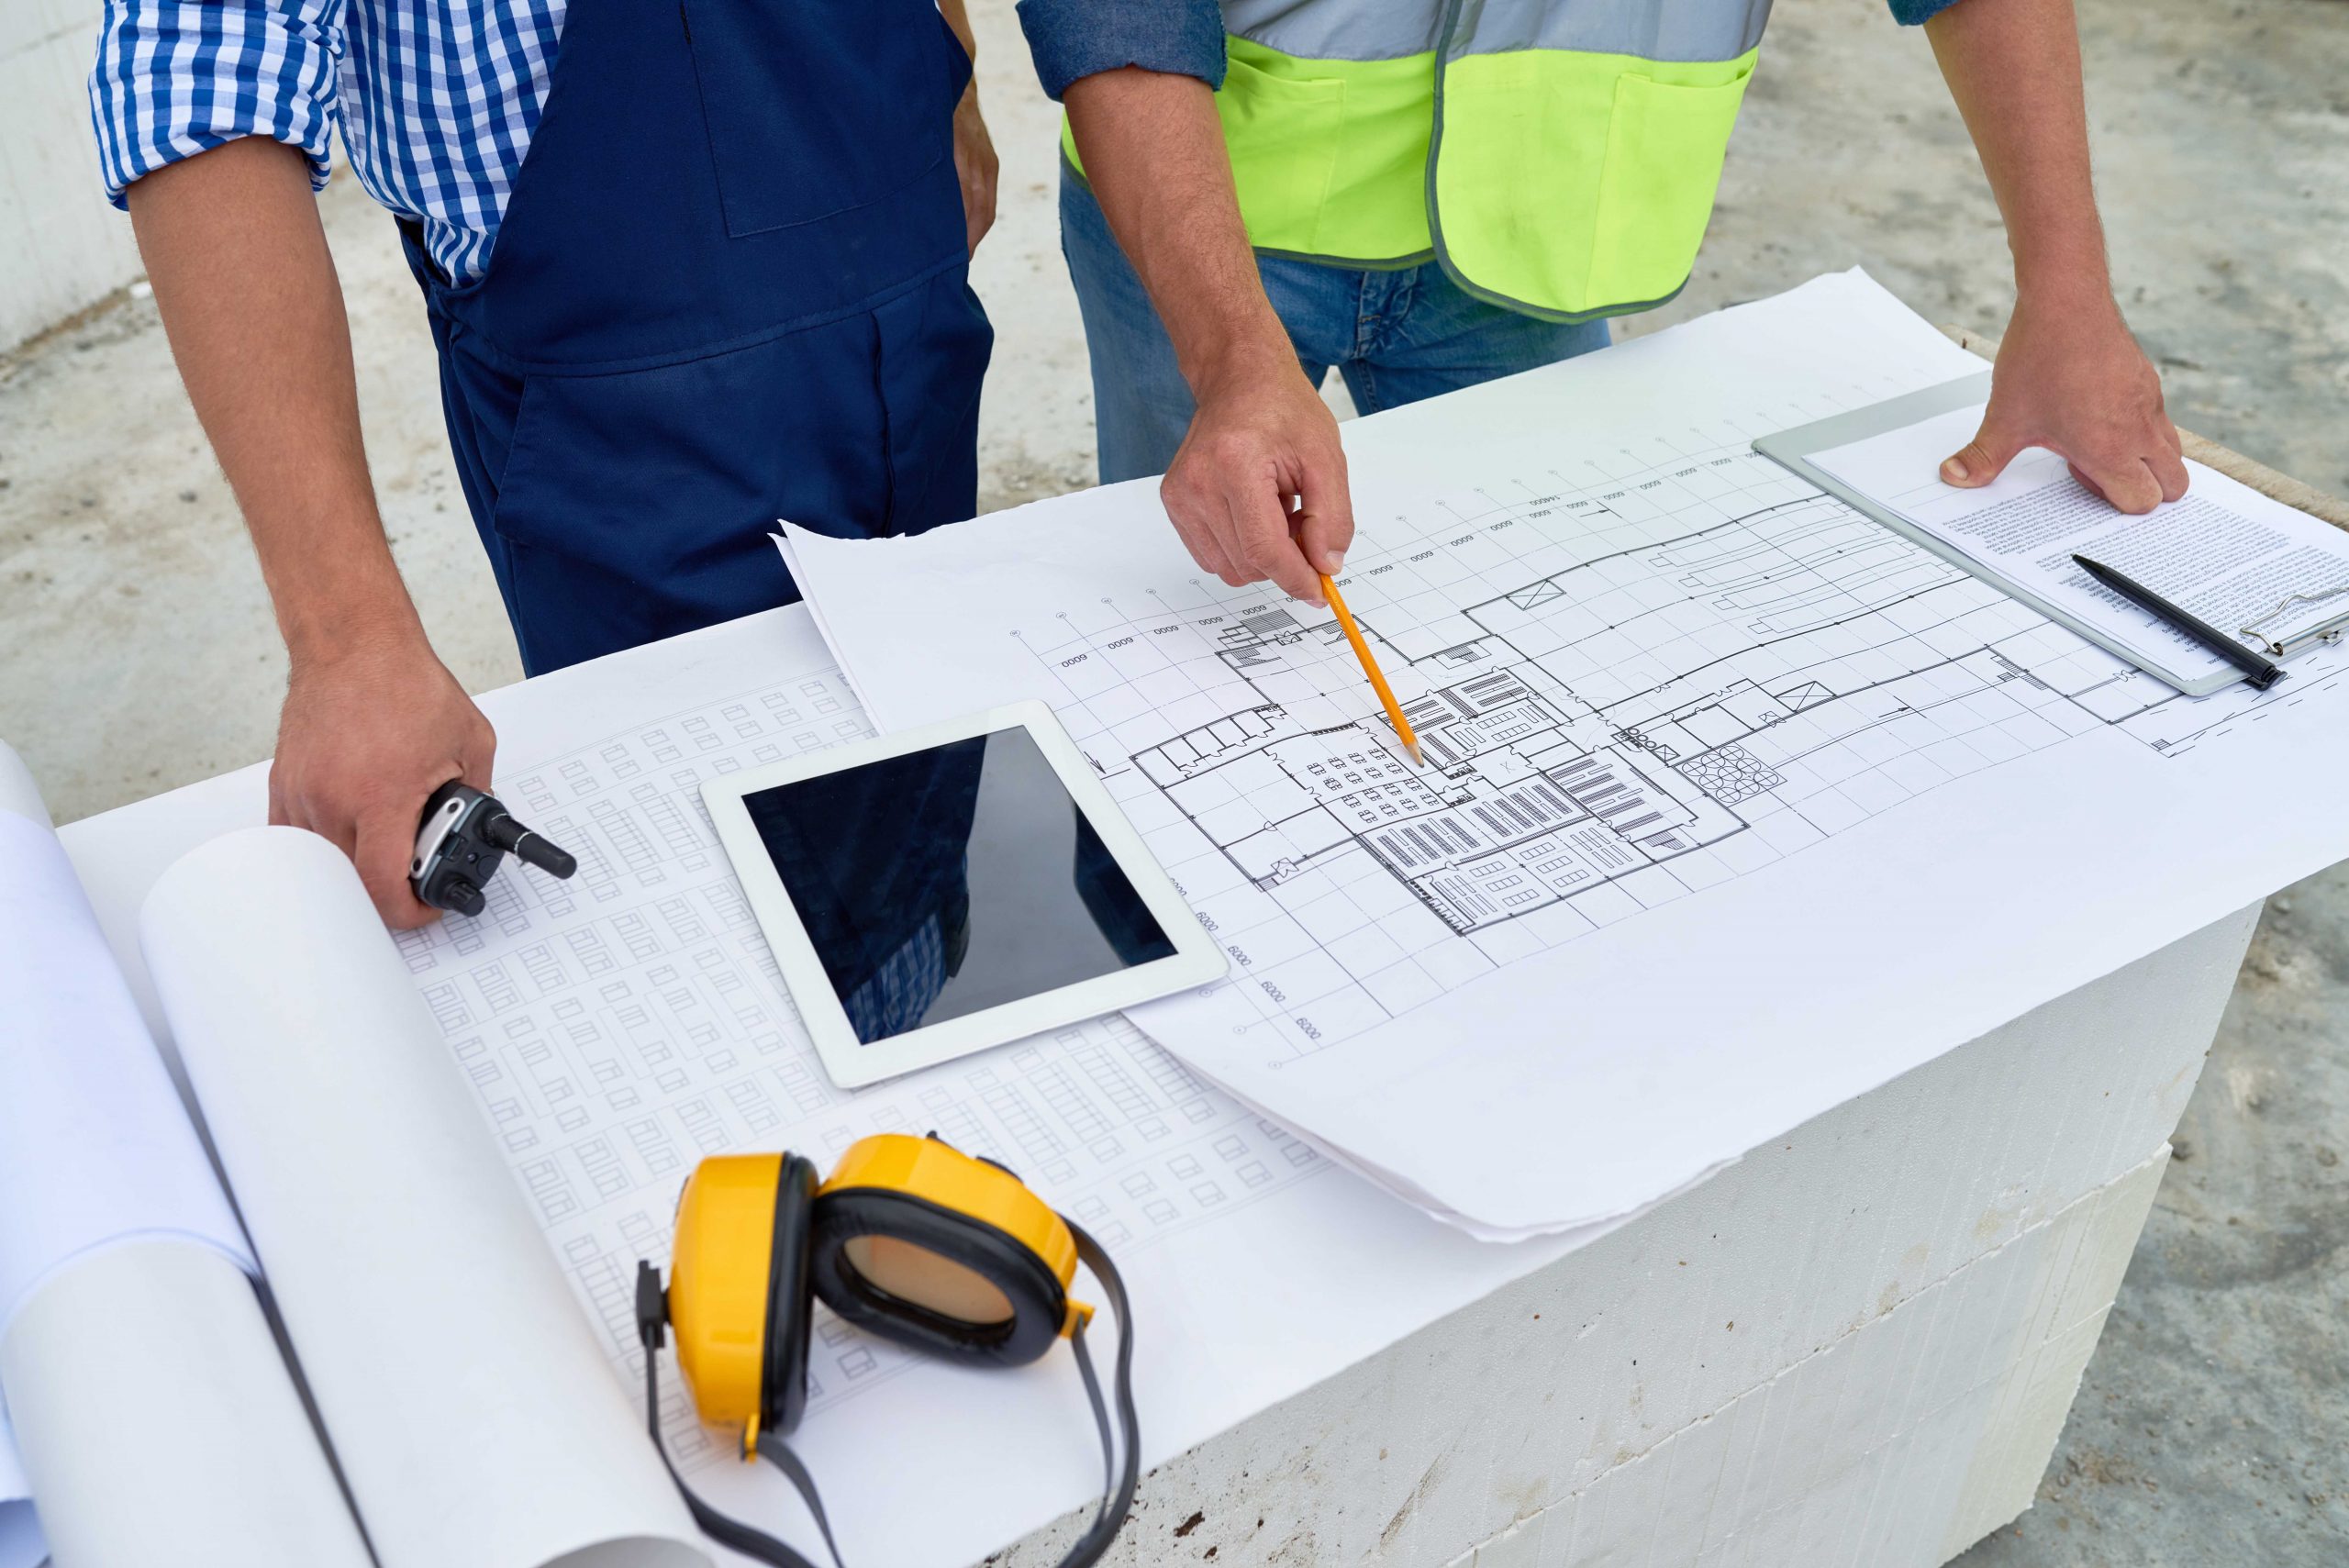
[(2233, 558), (1726, 781)]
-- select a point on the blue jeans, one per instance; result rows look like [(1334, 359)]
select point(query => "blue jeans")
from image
[(1397, 335)]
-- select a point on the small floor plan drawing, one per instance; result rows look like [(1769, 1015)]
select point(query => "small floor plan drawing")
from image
[(1624, 695)]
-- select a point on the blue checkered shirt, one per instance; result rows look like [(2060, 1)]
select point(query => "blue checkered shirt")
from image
[(435, 99)]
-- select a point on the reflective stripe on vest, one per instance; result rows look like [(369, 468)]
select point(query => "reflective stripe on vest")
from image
[(1559, 157)]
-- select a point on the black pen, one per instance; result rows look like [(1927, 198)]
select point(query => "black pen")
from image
[(2262, 672)]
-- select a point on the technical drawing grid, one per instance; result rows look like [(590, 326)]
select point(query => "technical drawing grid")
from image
[(1631, 681), (619, 1026)]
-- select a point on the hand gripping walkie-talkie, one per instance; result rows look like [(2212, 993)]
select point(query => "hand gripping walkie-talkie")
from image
[(464, 837)]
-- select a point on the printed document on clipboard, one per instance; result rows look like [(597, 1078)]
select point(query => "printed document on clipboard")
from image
[(2241, 561)]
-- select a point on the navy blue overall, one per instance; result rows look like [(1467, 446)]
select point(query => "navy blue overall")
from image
[(730, 286)]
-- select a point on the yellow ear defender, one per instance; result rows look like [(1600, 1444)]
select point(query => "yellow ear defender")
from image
[(911, 1239)]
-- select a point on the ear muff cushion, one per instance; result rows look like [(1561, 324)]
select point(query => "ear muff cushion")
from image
[(1039, 1303), (783, 1381)]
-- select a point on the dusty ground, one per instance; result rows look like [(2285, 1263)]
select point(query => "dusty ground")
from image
[(2213, 1426), (136, 651)]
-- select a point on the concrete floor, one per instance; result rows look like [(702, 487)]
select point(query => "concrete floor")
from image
[(2212, 1429), (138, 651)]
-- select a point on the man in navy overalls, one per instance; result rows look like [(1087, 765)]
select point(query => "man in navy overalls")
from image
[(690, 267)]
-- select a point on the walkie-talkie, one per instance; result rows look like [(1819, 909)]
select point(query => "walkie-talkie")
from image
[(464, 837)]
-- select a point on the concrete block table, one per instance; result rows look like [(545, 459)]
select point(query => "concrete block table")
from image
[(1856, 1345)]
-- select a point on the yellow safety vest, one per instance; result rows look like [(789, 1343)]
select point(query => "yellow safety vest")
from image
[(1558, 157)]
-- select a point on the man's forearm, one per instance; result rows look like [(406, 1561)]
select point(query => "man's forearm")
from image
[(1258, 489), (2069, 376), (1153, 154), (248, 297), (2013, 66), (373, 723)]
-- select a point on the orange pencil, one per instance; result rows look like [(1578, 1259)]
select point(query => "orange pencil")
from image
[(1370, 667)]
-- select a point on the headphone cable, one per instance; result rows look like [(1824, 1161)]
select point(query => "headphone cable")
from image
[(651, 1319), (1111, 1516)]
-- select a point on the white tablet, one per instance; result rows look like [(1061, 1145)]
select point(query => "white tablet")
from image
[(946, 889)]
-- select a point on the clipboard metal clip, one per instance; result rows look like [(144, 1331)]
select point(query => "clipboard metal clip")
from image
[(2327, 631)]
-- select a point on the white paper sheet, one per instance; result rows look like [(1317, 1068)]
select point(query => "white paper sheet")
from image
[(95, 1147), (1729, 781), (1227, 1269), (2223, 551), (473, 1415)]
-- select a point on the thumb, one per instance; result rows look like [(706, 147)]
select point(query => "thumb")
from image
[(1985, 457)]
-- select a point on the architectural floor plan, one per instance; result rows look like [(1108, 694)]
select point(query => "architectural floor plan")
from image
[(620, 1026), (1627, 689)]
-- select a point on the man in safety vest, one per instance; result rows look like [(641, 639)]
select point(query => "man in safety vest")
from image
[(1427, 193)]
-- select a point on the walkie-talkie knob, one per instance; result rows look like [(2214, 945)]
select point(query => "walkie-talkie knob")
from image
[(463, 895)]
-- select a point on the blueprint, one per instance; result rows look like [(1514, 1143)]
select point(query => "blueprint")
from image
[(619, 1026), (1733, 668), (1646, 666)]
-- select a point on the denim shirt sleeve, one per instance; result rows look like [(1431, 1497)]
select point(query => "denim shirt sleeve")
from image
[(1910, 13), (1070, 39)]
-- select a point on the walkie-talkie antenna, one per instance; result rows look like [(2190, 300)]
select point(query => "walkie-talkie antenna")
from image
[(527, 845)]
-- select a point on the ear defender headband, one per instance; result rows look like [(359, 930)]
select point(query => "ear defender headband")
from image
[(911, 1239)]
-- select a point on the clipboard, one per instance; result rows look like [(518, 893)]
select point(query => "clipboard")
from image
[(1791, 450)]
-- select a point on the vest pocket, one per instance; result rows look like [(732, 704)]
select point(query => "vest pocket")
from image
[(1665, 145), (819, 106), (1283, 134)]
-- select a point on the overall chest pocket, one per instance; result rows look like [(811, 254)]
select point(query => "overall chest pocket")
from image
[(820, 106)]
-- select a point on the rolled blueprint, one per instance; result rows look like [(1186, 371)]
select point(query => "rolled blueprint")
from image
[(20, 1542), (478, 1422), (160, 1425), (156, 1421)]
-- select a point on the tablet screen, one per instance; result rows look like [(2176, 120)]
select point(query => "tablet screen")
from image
[(946, 882)]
